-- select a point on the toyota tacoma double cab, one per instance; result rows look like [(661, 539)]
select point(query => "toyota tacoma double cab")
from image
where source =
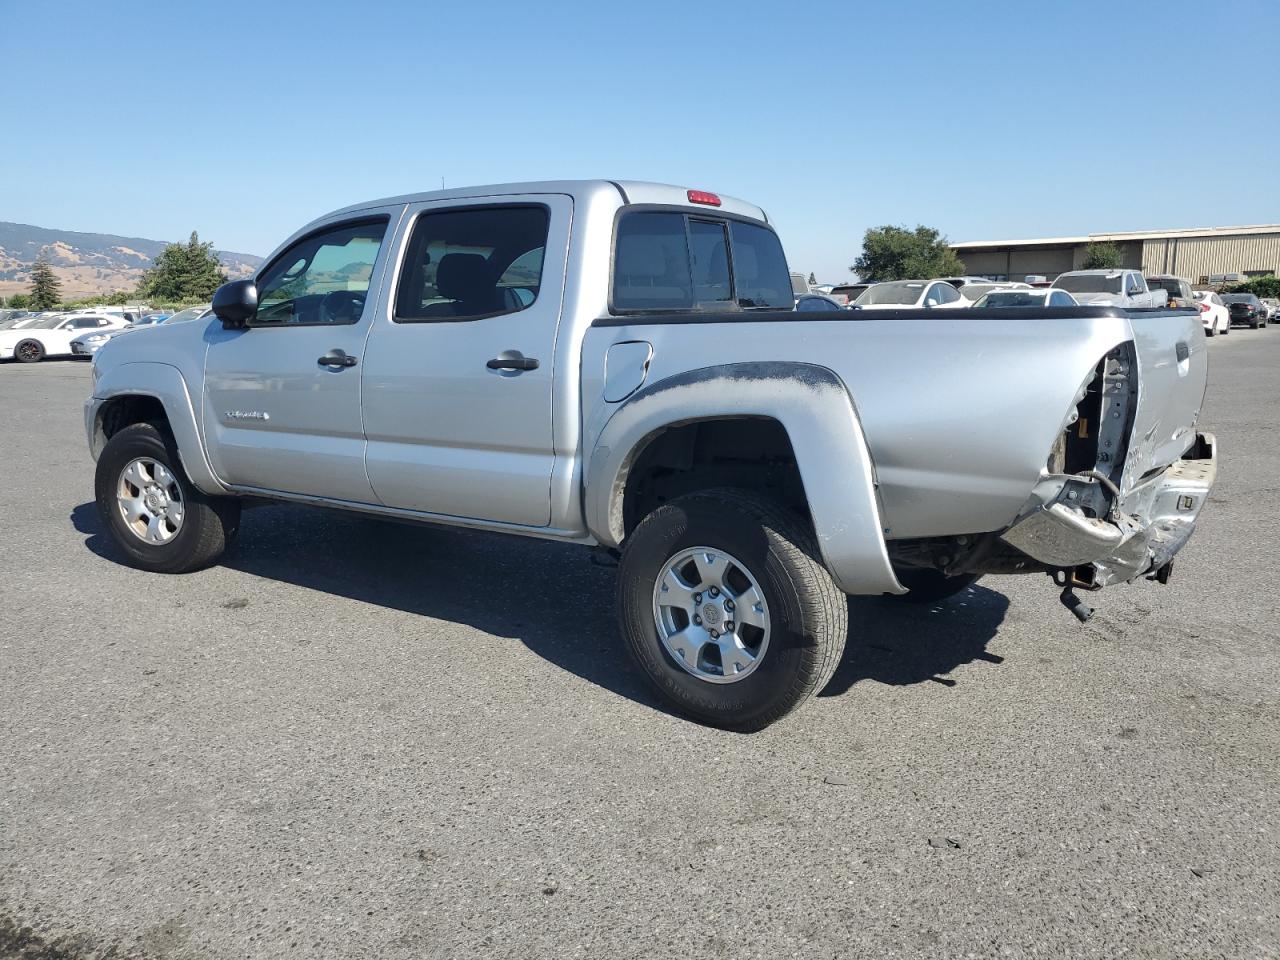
[(619, 365)]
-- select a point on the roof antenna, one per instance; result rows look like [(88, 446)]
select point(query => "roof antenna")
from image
[(442, 183)]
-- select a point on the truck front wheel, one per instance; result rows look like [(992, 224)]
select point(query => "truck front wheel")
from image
[(728, 610), (157, 518)]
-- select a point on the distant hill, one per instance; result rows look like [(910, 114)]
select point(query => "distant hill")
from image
[(88, 263)]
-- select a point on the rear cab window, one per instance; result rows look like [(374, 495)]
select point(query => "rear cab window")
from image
[(676, 260)]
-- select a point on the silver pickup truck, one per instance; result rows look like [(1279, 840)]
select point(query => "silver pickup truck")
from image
[(618, 365)]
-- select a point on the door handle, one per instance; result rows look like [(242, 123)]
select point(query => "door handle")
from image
[(337, 358), (512, 360)]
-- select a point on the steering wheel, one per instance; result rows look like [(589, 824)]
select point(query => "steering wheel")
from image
[(341, 306)]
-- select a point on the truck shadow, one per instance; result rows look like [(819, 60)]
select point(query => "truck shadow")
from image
[(550, 596), (895, 642)]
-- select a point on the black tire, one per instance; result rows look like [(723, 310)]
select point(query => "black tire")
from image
[(808, 613), (1212, 331), (208, 526), (933, 586), (29, 351)]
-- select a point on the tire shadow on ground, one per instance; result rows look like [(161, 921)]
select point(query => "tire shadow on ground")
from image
[(896, 642), (551, 596)]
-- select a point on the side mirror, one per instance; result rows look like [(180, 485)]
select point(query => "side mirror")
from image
[(931, 302), (236, 303)]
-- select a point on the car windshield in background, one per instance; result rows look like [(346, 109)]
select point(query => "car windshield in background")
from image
[(183, 315), (1013, 298), (1090, 283), (1172, 286), (1239, 298), (973, 291), (903, 292), (48, 323)]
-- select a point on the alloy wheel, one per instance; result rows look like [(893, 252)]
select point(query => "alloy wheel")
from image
[(711, 614)]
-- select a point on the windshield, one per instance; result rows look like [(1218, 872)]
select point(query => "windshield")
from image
[(1013, 298), (1171, 286), (1237, 298), (45, 323), (972, 291), (1089, 282), (11, 323), (892, 292), (182, 316)]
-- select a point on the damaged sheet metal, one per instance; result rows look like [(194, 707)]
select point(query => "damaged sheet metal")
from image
[(1138, 534)]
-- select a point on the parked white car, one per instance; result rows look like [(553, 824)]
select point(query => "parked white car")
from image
[(975, 291), (52, 336), (17, 323), (1030, 297), (910, 294), (1111, 288), (1214, 313), (87, 344)]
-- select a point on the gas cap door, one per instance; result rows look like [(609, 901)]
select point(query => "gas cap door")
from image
[(625, 367)]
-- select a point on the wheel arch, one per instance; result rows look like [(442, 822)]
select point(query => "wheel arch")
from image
[(150, 392), (803, 406)]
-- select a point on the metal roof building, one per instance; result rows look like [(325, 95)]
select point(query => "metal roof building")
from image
[(1204, 255)]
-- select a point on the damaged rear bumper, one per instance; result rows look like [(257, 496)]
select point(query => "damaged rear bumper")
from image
[(1073, 522)]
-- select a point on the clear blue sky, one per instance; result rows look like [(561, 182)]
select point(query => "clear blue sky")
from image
[(245, 120)]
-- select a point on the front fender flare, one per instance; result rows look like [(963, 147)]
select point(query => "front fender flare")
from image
[(820, 418), (163, 382)]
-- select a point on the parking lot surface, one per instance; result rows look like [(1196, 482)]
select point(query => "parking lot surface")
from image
[(363, 739)]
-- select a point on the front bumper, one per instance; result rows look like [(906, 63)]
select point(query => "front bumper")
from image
[(85, 350), (1146, 528)]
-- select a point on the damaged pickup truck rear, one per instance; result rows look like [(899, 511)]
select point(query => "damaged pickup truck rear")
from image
[(618, 365)]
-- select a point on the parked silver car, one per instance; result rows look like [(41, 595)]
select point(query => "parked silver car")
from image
[(87, 345)]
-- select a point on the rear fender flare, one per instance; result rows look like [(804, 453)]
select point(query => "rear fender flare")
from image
[(821, 420)]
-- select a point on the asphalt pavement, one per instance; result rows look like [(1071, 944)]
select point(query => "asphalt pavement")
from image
[(362, 739)]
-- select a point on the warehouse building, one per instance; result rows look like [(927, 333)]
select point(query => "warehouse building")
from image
[(1207, 257)]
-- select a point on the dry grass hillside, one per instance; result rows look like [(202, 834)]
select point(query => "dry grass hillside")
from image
[(88, 263)]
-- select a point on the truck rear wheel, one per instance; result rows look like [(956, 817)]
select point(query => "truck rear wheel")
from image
[(157, 518), (728, 610)]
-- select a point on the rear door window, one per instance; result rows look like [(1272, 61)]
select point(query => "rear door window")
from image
[(472, 263)]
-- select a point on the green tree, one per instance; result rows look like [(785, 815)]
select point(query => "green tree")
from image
[(896, 253), (1268, 286), (813, 280), (1103, 255), (187, 272), (20, 301), (46, 288)]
